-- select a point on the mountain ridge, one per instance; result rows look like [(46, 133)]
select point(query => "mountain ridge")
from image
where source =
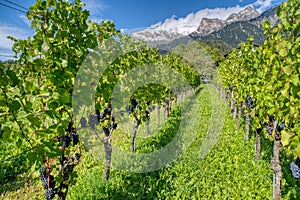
[(172, 29), (208, 26), (247, 24)]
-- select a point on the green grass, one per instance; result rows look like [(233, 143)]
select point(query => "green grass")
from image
[(228, 171)]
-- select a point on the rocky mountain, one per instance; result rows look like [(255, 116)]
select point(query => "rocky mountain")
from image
[(235, 33), (231, 33), (245, 15), (233, 29), (208, 26), (164, 32), (269, 15), (172, 29)]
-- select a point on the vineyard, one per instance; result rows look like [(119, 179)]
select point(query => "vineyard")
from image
[(87, 112)]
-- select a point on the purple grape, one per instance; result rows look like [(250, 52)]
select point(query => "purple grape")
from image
[(67, 141), (106, 131), (297, 162), (75, 138), (280, 127), (83, 122), (77, 156), (93, 121), (49, 194)]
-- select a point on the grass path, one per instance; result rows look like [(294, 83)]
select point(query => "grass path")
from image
[(228, 171), (218, 164)]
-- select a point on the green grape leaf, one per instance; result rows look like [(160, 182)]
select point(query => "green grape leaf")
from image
[(33, 120), (14, 106), (19, 143), (7, 132), (45, 47), (285, 139), (297, 150), (12, 75)]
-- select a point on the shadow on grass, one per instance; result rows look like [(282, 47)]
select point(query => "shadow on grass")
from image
[(166, 134), (124, 186), (10, 172)]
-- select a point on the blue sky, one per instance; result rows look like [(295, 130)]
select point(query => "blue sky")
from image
[(128, 15)]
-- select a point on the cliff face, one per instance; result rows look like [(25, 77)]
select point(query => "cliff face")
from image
[(208, 26)]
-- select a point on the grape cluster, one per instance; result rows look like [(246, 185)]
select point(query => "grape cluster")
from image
[(295, 168), (43, 173), (66, 141), (269, 128), (75, 138), (98, 115), (127, 108), (106, 131), (152, 108), (83, 122), (147, 115), (93, 121), (280, 127), (48, 183), (69, 168), (122, 112), (134, 104), (107, 112), (49, 194), (67, 163), (297, 162), (113, 125), (249, 102), (77, 156), (242, 109)]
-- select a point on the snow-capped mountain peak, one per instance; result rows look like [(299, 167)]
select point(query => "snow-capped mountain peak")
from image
[(173, 28)]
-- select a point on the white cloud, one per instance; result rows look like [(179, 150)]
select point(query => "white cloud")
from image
[(262, 5), (191, 22), (6, 54), (6, 44), (129, 31), (25, 20), (6, 30), (96, 7)]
